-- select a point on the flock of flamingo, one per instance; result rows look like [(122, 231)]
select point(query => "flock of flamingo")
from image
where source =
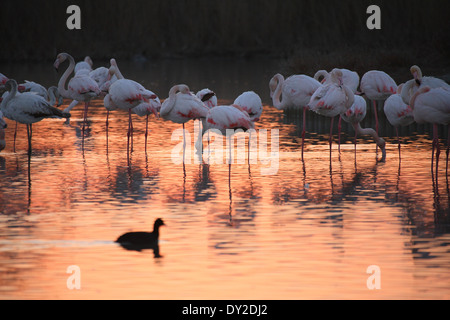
[(423, 99)]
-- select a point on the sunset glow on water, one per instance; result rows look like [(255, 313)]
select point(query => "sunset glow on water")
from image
[(308, 231)]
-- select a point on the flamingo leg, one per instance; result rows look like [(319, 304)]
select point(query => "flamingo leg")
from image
[(339, 133), (304, 130), (107, 128), (29, 135), (146, 133), (129, 135), (448, 151), (438, 148), (86, 107), (376, 114), (399, 146), (331, 133), (15, 135)]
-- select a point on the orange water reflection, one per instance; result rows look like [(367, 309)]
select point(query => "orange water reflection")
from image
[(310, 231)]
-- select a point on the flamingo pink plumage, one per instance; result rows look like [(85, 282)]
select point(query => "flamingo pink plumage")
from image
[(27, 108), (411, 86), (432, 105), (332, 99), (296, 92), (126, 94), (80, 88), (377, 86), (397, 112), (251, 103), (350, 78)]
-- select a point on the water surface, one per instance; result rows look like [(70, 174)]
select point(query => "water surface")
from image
[(310, 231)]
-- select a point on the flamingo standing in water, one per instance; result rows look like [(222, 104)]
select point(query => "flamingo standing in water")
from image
[(296, 92), (145, 109), (411, 86), (398, 113), (332, 99), (80, 88), (349, 78), (377, 86), (182, 106), (126, 94), (3, 126), (432, 105), (27, 108), (354, 115)]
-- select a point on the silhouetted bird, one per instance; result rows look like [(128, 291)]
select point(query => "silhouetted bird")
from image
[(142, 240)]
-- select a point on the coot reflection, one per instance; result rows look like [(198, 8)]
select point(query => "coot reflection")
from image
[(139, 241)]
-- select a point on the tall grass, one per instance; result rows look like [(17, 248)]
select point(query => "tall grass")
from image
[(36, 30)]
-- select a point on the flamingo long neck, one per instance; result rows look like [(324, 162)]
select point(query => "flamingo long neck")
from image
[(322, 73), (11, 95), (369, 131), (350, 96), (171, 101), (62, 82), (277, 94), (412, 102), (117, 72)]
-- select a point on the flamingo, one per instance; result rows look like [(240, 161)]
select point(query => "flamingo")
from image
[(27, 108), (182, 106), (350, 78), (80, 88), (251, 103), (3, 126), (208, 97), (145, 109), (377, 86), (397, 112), (223, 118), (86, 64), (126, 94), (411, 86), (332, 99), (354, 115), (432, 105), (296, 92)]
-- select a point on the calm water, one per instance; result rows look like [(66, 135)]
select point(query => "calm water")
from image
[(310, 231)]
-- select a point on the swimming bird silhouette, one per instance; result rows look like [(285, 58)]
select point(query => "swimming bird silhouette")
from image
[(139, 241)]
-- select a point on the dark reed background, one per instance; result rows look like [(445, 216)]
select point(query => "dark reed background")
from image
[(309, 34)]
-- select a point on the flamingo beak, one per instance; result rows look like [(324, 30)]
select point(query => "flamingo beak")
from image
[(56, 64)]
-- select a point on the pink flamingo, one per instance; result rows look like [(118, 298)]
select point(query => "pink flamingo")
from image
[(208, 97), (86, 64), (80, 88), (349, 78), (432, 105), (354, 115), (411, 86), (397, 112), (377, 86), (145, 109), (332, 99), (296, 92), (126, 94), (223, 118), (251, 103), (182, 106), (27, 108)]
